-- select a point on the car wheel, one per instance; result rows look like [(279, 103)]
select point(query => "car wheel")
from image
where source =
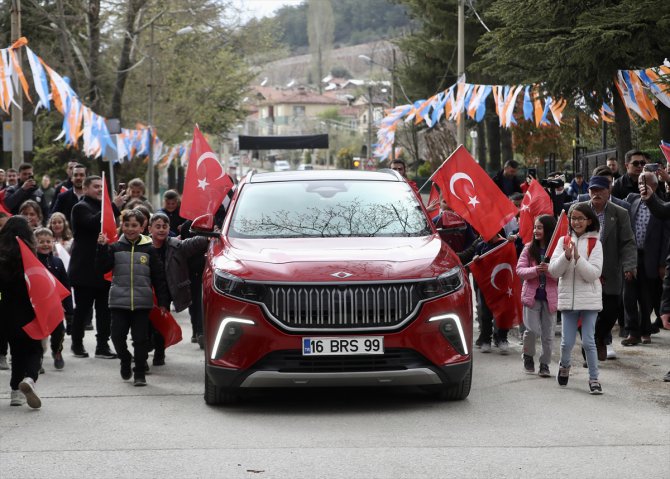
[(455, 392), (218, 396)]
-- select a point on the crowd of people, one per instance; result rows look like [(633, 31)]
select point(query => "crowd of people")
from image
[(153, 263), (609, 268)]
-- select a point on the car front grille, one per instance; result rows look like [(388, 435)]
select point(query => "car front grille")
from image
[(343, 306), (293, 361)]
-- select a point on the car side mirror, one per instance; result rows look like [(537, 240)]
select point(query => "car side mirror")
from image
[(204, 226)]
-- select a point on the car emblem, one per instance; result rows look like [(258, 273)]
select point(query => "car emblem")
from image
[(341, 274)]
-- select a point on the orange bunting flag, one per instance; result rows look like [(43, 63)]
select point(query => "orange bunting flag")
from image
[(46, 295), (474, 196)]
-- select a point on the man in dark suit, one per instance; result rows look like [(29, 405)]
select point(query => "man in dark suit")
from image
[(634, 162), (89, 285), (651, 237), (65, 201), (619, 254), (63, 186)]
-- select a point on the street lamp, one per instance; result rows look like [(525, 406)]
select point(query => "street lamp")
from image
[(392, 71)]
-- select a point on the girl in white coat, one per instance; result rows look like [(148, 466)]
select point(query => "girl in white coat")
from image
[(578, 262)]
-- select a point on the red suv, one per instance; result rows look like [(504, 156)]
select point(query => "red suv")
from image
[(333, 278)]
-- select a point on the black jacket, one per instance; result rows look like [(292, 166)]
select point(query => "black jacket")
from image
[(16, 195), (64, 203), (178, 254), (498, 179), (57, 268), (85, 229)]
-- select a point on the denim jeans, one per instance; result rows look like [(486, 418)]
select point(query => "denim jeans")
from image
[(569, 321)]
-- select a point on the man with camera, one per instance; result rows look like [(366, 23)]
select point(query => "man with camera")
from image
[(26, 189), (555, 186)]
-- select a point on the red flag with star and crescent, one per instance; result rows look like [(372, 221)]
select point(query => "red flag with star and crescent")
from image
[(46, 295), (206, 184), (562, 229), (107, 220), (470, 192), (536, 202), (495, 274)]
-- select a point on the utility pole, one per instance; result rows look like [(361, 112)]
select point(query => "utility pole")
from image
[(17, 107), (393, 75), (150, 165), (460, 131), (369, 121)]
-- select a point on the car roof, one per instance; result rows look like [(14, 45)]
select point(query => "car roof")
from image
[(380, 175)]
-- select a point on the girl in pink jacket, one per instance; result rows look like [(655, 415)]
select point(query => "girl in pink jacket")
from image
[(539, 296)]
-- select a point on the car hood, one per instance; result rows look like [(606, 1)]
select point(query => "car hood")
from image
[(335, 259)]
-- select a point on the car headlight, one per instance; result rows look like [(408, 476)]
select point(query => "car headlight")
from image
[(447, 282), (231, 285)]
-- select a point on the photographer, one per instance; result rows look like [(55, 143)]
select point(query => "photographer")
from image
[(555, 186), (26, 189)]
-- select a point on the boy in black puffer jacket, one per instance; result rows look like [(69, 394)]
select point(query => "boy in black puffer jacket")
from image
[(136, 267)]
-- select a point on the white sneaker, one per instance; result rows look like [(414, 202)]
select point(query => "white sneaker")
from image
[(486, 347), (27, 387), (3, 362), (503, 346), (17, 398), (611, 353)]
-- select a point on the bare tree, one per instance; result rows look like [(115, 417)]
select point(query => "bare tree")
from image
[(320, 31)]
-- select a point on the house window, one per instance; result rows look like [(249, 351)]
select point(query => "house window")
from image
[(299, 110)]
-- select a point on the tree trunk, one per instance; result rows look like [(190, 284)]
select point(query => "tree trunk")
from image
[(93, 14), (493, 135), (624, 141), (481, 144), (66, 48), (664, 121), (125, 61), (506, 144)]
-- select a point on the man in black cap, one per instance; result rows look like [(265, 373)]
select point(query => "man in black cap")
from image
[(619, 255)]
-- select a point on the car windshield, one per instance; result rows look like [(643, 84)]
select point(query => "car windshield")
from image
[(326, 208)]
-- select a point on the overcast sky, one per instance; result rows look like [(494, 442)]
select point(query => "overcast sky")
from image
[(263, 8)]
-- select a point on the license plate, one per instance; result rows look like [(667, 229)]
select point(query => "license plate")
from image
[(350, 345)]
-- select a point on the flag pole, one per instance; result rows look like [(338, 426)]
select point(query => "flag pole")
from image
[(438, 169), (488, 252), (102, 205)]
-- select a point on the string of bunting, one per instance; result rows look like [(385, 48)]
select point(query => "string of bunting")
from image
[(636, 88), (79, 121)]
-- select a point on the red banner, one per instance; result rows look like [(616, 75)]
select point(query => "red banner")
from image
[(560, 231)]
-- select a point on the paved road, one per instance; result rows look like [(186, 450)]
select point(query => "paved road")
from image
[(93, 424)]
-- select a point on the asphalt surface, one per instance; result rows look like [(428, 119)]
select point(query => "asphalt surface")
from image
[(94, 424)]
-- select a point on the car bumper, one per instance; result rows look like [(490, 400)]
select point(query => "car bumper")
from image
[(424, 376)]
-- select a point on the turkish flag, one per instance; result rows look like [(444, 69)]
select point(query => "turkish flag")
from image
[(107, 220), (206, 184), (433, 205), (495, 274), (46, 295), (560, 231), (536, 202), (166, 325), (470, 192)]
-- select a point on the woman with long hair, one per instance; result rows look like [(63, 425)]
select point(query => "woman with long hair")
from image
[(60, 228), (16, 311), (539, 296)]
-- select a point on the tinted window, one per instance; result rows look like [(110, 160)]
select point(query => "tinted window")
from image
[(302, 209)]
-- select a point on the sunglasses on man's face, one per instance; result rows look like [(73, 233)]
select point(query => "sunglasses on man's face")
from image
[(638, 163)]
